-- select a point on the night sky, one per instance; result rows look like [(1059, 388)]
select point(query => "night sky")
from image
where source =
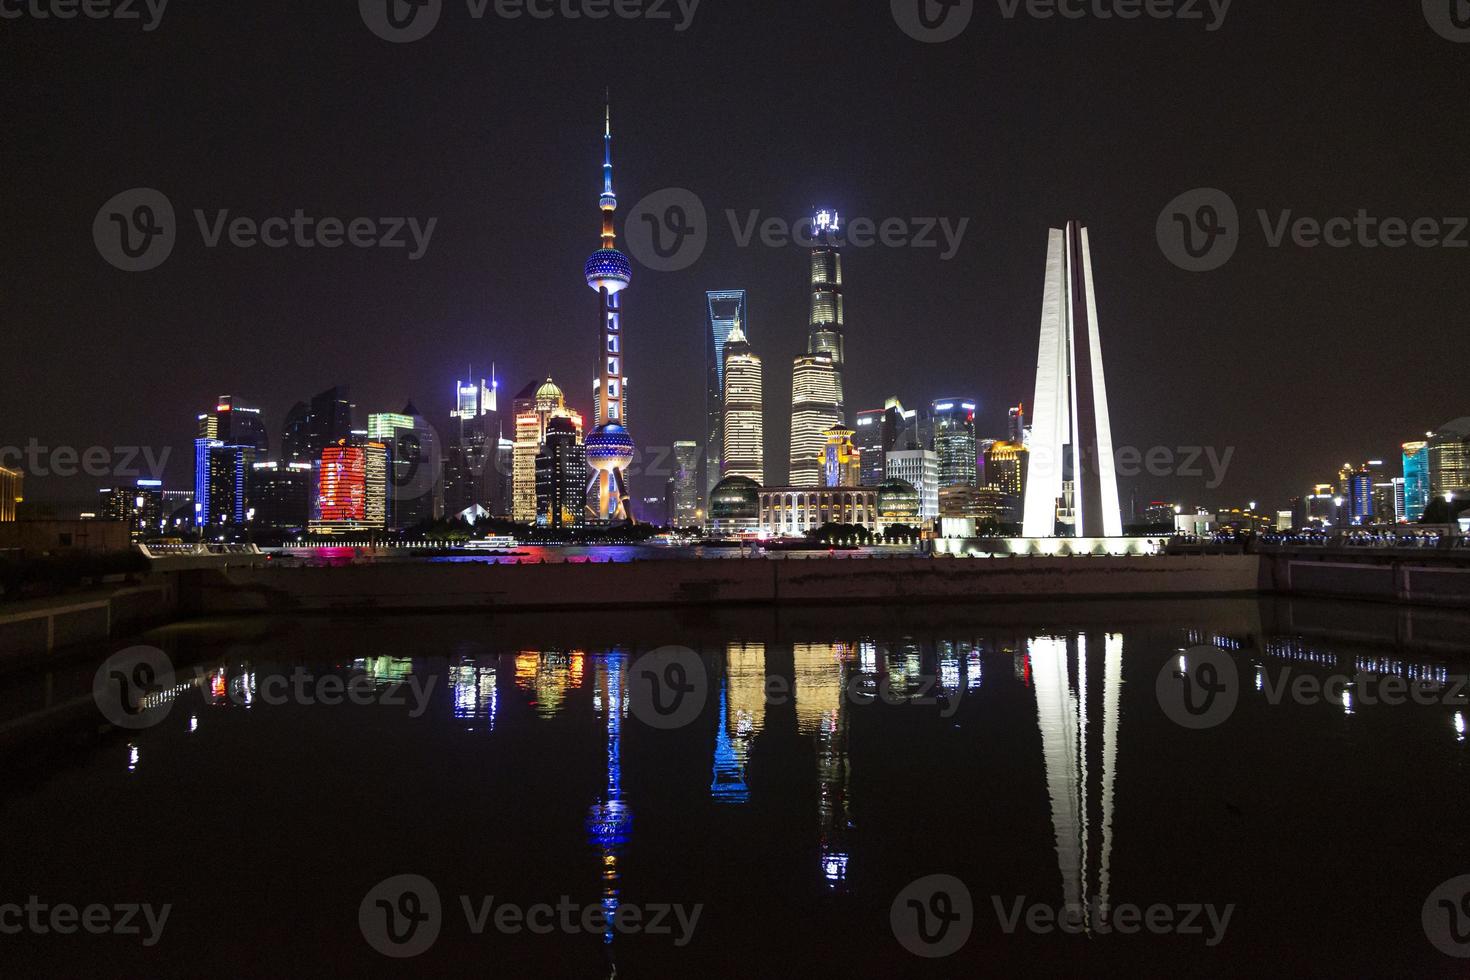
[(1298, 359)]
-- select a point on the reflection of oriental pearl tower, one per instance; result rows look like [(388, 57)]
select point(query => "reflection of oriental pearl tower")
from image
[(609, 447)]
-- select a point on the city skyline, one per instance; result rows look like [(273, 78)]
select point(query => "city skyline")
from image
[(275, 326)]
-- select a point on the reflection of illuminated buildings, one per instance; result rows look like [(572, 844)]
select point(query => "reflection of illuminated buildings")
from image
[(549, 676), (820, 677), (473, 689), (385, 670), (742, 717), (1080, 773)]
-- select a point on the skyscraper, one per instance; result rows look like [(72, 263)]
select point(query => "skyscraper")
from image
[(954, 442), (12, 485), (817, 401), (1016, 425), (1449, 459), (815, 391), (471, 477), (280, 494), (561, 475), (1416, 480), (533, 409), (920, 469), (869, 440), (413, 459), (744, 438), (329, 421), (235, 424), (1071, 434), (726, 308), (684, 507), (610, 447)]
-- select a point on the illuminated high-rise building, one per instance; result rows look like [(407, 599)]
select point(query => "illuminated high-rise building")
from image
[(610, 446), (954, 442), (413, 462), (472, 478), (1416, 480), (1071, 443), (1016, 425), (533, 410), (815, 390), (744, 438), (1449, 459), (280, 495), (817, 400), (684, 508), (920, 469), (725, 309), (561, 475), (868, 436), (12, 487)]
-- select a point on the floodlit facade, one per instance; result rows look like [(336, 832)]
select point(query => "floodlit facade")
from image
[(841, 460), (1071, 433), (12, 492), (794, 512), (1416, 480), (815, 390), (685, 508), (744, 437), (920, 469), (817, 401)]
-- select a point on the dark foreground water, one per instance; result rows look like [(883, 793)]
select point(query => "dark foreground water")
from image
[(1090, 789)]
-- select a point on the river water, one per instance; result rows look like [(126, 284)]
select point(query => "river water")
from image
[(1225, 787)]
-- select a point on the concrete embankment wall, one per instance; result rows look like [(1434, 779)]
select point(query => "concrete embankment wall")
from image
[(1417, 581), (44, 625), (703, 582)]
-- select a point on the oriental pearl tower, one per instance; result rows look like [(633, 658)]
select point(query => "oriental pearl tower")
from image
[(609, 447)]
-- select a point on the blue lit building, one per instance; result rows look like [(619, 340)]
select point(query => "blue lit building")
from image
[(1416, 480), (726, 308)]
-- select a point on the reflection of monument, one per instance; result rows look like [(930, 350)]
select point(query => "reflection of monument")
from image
[(549, 675), (1071, 444), (742, 717), (820, 677), (609, 821), (1079, 772)]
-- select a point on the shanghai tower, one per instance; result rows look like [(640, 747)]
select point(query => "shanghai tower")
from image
[(817, 403)]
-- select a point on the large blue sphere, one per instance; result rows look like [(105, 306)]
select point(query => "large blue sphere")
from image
[(609, 267), (610, 447)]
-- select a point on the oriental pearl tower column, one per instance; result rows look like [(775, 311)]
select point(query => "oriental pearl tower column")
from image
[(609, 447)]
